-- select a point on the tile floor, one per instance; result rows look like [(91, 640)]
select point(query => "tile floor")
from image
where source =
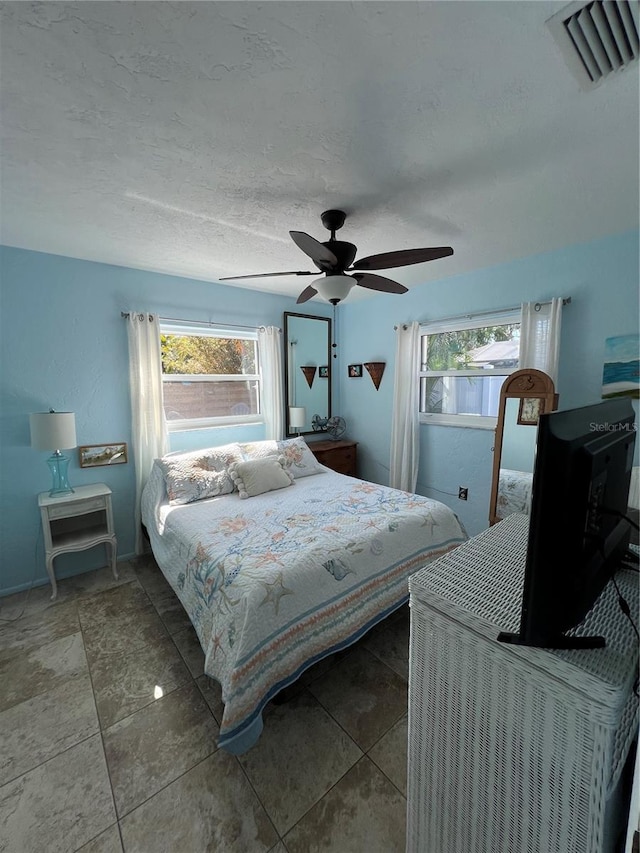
[(108, 733)]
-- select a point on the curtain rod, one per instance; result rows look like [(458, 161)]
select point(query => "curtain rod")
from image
[(127, 314), (472, 316)]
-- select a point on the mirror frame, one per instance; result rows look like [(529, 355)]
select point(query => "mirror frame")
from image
[(327, 320), (525, 384)]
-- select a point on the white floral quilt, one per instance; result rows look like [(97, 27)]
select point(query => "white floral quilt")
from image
[(275, 583), (514, 492)]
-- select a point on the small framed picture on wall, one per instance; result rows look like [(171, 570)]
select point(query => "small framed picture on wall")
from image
[(94, 455), (355, 371), (529, 410), (323, 371)]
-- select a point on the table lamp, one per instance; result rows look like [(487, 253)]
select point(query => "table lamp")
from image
[(297, 417), (51, 431)]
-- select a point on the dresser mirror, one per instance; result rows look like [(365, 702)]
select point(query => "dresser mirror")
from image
[(307, 371), (525, 395)]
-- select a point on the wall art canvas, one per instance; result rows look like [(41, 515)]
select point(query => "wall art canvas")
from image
[(93, 455), (620, 377)]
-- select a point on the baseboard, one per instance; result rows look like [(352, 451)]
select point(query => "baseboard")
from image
[(23, 587)]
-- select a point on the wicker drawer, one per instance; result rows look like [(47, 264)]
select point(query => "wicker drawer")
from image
[(340, 456), (77, 508)]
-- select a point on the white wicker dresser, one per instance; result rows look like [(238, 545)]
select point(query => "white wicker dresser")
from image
[(513, 749)]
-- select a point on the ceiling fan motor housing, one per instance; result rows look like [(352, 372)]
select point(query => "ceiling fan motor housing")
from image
[(344, 252)]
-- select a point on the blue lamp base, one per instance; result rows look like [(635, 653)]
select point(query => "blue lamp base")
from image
[(58, 464)]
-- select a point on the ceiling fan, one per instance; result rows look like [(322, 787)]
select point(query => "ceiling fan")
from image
[(335, 259)]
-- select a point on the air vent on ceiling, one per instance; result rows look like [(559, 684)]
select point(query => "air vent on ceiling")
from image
[(597, 39)]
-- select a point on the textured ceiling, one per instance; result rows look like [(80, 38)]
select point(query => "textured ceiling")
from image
[(189, 138)]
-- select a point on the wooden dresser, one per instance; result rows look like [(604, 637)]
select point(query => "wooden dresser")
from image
[(339, 455)]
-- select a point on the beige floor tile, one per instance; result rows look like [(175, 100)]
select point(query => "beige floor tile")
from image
[(125, 682), (120, 620), (363, 813), (41, 669), (301, 753), (212, 692), (210, 808), (363, 695), (38, 629), (60, 805), (390, 754), (36, 730), (25, 603), (107, 842), (172, 612), (189, 647), (38, 598), (154, 746), (391, 644), (124, 600), (96, 581), (150, 576)]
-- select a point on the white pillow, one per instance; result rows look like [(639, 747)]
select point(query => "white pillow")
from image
[(199, 474), (257, 476), (298, 458)]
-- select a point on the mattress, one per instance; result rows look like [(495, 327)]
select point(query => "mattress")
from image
[(274, 583)]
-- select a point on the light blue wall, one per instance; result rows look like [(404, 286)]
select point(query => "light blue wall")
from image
[(602, 279), (64, 346)]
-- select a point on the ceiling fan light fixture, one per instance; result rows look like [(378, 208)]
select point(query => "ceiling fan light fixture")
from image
[(334, 288)]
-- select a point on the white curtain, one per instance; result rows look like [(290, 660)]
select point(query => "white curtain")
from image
[(270, 350), (405, 425), (540, 336), (149, 429)]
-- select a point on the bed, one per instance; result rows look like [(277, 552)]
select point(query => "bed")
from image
[(514, 492), (276, 582)]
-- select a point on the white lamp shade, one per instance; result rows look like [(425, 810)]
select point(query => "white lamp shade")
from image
[(297, 416), (334, 288), (53, 430)]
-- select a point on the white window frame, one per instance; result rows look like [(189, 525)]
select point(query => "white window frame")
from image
[(186, 329), (499, 318)]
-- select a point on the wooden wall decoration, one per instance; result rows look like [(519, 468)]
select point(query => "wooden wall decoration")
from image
[(309, 374), (375, 370)]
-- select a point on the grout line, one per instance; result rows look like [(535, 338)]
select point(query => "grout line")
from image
[(262, 805), (95, 704)]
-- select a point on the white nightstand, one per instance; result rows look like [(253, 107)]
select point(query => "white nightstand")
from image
[(77, 521)]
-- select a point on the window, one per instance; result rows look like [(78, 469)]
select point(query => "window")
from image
[(210, 376), (463, 365)]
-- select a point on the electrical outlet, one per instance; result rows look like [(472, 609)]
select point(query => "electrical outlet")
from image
[(463, 493)]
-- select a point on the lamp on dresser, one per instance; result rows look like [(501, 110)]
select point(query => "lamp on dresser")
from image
[(297, 417), (54, 431)]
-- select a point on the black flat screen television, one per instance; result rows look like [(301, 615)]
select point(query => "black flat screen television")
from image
[(578, 533)]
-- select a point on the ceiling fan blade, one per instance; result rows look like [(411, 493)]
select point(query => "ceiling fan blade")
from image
[(379, 282), (306, 294), (405, 257), (267, 275), (312, 247)]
